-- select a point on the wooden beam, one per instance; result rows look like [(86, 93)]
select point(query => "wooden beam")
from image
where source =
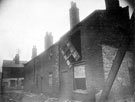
[(113, 72)]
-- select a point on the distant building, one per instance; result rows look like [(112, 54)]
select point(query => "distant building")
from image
[(78, 65), (0, 82), (13, 74), (34, 52), (48, 40)]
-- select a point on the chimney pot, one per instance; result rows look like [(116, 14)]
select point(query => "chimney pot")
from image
[(34, 52), (17, 59), (74, 15), (48, 40), (112, 4)]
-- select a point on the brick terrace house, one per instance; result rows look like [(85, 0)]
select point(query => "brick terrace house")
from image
[(77, 66), (42, 72), (12, 74)]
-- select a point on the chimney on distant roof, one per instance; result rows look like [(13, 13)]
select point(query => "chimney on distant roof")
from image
[(17, 59), (34, 52), (112, 4), (74, 15), (48, 40)]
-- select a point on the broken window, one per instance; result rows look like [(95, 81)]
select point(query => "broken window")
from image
[(70, 54), (71, 49)]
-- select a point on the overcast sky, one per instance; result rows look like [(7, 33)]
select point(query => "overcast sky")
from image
[(23, 23)]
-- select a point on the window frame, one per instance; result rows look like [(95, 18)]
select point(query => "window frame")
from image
[(74, 81)]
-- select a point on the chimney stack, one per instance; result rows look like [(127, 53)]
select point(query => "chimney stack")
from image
[(17, 59), (112, 4), (48, 40), (74, 15), (34, 52)]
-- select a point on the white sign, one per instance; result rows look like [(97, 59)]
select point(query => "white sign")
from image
[(79, 71)]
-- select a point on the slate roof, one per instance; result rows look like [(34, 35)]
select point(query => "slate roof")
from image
[(10, 63)]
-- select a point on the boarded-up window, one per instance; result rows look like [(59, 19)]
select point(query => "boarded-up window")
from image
[(79, 77)]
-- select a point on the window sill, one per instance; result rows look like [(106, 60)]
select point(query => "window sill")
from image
[(80, 91)]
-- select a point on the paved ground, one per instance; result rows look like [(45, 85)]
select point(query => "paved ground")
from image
[(29, 97), (25, 97), (18, 96)]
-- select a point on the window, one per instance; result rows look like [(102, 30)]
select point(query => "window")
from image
[(22, 82), (50, 78), (5, 84), (37, 81), (12, 83), (70, 53), (79, 77)]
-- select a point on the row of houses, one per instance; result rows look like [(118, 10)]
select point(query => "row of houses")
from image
[(77, 66), (13, 70), (13, 74)]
